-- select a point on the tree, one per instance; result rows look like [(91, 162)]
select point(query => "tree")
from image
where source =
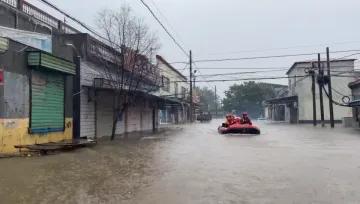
[(207, 99), (248, 97), (126, 60)]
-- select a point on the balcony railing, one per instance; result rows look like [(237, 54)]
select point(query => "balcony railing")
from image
[(40, 15), (95, 46)]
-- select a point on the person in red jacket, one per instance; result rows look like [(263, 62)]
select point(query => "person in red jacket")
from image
[(230, 119), (245, 119)]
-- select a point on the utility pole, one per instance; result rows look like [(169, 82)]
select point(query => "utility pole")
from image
[(312, 72), (194, 87), (194, 83), (191, 90), (215, 104), (321, 77), (331, 108)]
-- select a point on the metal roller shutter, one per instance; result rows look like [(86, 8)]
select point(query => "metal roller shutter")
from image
[(47, 101), (105, 114), (133, 119), (104, 111), (146, 119), (87, 115)]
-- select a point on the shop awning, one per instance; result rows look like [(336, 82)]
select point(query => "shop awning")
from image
[(47, 61), (282, 100)]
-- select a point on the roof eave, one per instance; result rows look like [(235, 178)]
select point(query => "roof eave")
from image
[(159, 57)]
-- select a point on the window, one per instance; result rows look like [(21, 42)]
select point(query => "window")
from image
[(183, 92), (166, 84), (176, 89)]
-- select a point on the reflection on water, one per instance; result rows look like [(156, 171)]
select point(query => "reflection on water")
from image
[(286, 164)]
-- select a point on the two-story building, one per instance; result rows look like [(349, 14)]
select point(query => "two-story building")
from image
[(101, 89), (299, 103), (36, 75), (175, 91), (45, 61)]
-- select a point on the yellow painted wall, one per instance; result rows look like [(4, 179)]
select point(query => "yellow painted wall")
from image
[(15, 132)]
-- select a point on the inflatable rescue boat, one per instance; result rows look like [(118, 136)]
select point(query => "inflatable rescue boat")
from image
[(239, 129)]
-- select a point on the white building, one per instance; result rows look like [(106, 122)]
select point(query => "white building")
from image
[(299, 103), (175, 91)]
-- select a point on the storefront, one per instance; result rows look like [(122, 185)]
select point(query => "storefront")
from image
[(47, 92)]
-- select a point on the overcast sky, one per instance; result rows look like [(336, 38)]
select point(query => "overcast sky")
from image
[(210, 27)]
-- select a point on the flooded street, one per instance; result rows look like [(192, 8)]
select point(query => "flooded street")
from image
[(285, 164)]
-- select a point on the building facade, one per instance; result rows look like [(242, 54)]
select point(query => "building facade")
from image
[(36, 96), (174, 93), (299, 102), (36, 77), (276, 113), (355, 103), (49, 88), (101, 91)]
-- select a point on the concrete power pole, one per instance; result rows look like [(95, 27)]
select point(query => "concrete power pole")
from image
[(191, 90), (321, 74), (194, 87), (215, 105), (331, 108), (312, 73)]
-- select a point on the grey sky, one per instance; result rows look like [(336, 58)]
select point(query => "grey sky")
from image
[(222, 26)]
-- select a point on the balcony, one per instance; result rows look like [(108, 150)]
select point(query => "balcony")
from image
[(31, 10)]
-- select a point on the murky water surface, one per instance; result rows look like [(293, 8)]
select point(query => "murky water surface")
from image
[(286, 164)]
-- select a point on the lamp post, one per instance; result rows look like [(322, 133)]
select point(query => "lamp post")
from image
[(76, 94)]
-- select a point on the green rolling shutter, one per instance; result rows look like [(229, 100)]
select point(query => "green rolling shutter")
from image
[(47, 101)]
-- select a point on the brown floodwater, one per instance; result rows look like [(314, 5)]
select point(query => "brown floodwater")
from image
[(285, 164)]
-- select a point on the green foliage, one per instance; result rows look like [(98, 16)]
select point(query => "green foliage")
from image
[(207, 99), (247, 97)]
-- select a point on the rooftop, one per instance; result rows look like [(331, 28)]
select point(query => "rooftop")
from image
[(315, 61), (354, 83), (171, 67), (274, 85)]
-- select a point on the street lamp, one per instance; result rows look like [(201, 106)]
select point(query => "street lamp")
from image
[(76, 94)]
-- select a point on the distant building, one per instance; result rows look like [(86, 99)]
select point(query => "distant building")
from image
[(296, 107), (280, 91), (355, 102), (175, 94)]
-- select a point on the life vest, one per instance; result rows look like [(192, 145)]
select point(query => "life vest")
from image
[(246, 120)]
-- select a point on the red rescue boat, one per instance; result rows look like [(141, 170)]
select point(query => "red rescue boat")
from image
[(239, 129)]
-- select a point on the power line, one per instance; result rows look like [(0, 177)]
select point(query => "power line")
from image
[(74, 19), (263, 78), (267, 68), (170, 34), (235, 73), (264, 57), (90, 30), (267, 71), (284, 48), (203, 76), (152, 13), (169, 24), (184, 68)]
